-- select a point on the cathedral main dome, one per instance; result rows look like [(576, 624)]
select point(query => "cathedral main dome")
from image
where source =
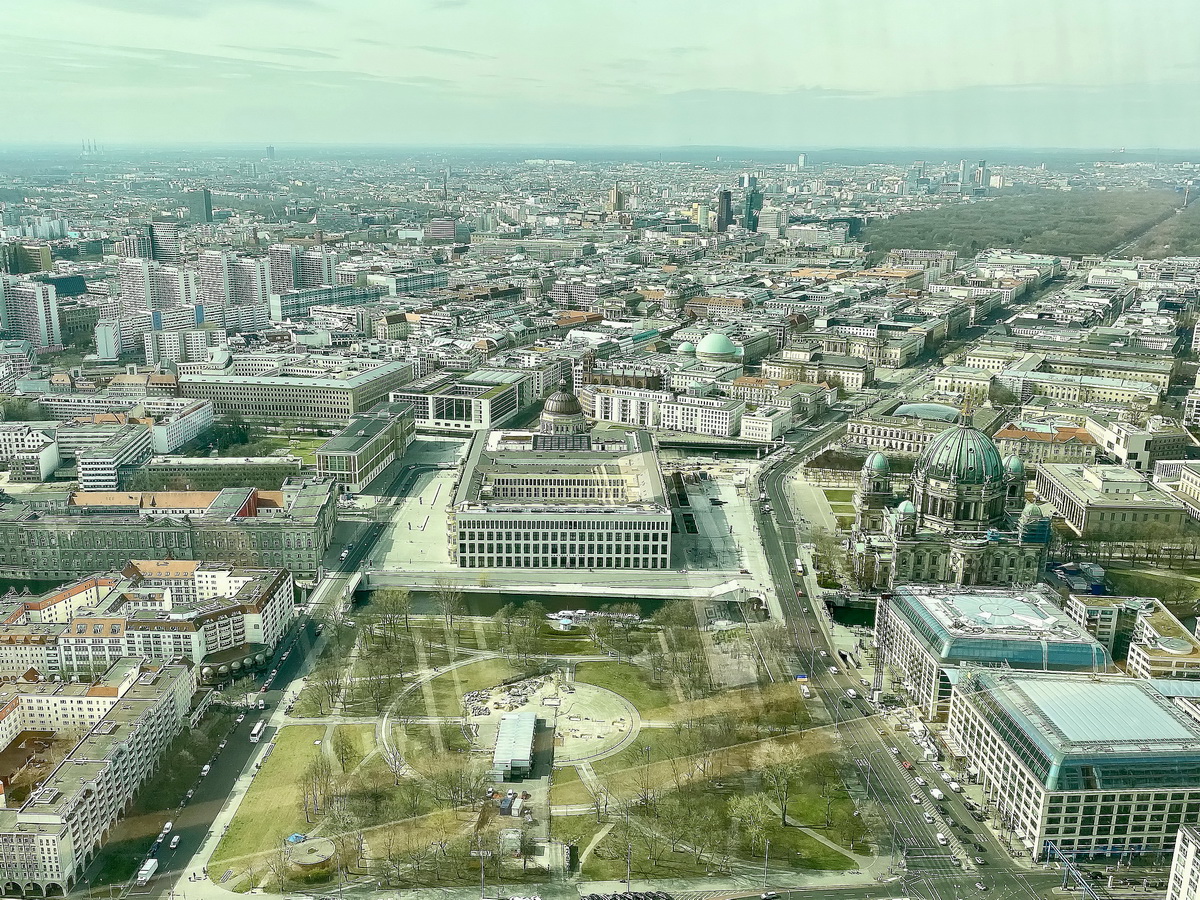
[(963, 454)]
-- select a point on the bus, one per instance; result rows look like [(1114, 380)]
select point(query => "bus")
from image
[(798, 563), (257, 731)]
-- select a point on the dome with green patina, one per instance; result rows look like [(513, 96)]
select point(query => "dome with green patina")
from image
[(906, 509), (716, 346), (1032, 511), (877, 463), (1013, 465), (962, 454)]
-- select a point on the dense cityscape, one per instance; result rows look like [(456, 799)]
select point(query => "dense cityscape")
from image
[(862, 485)]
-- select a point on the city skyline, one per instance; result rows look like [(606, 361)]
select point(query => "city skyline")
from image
[(915, 74)]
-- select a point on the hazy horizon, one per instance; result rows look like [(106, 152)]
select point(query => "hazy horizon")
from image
[(803, 74)]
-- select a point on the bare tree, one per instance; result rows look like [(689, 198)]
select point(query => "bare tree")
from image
[(449, 599), (344, 747)]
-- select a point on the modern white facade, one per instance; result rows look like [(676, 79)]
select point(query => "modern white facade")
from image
[(1091, 764)]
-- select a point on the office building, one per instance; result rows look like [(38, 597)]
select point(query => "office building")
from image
[(1089, 764), (108, 466), (199, 205), (925, 633), (561, 501), (26, 258), (298, 303), (165, 243), (29, 311), (724, 210), (1108, 501), (308, 389), (1141, 631), (367, 446), (484, 399)]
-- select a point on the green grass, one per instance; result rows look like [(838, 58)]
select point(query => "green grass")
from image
[(839, 495), (565, 643), (420, 749), (273, 807), (628, 680), (449, 688)]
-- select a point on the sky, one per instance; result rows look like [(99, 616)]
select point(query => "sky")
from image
[(799, 74)]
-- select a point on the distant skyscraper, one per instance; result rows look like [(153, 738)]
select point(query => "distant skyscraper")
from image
[(983, 176), (801, 160), (724, 210), (962, 171), (135, 245), (270, 152), (199, 205), (616, 199), (753, 203), (746, 180), (165, 245)]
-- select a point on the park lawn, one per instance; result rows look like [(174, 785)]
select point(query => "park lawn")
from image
[(419, 747), (567, 789), (630, 681), (839, 495), (273, 808), (450, 687), (565, 643), (607, 863), (362, 738)]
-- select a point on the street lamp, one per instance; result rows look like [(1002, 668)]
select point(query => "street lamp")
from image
[(766, 856)]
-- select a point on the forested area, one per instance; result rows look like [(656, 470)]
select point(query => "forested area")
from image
[(1177, 236), (1070, 223)]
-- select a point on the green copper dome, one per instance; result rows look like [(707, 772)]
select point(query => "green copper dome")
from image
[(877, 462), (906, 509), (963, 454), (716, 345), (1013, 465)]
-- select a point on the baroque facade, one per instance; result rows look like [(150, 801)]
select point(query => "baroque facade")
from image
[(964, 521)]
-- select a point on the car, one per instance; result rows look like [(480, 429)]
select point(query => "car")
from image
[(928, 819), (864, 682), (895, 751), (980, 886), (833, 670), (174, 842), (947, 777), (167, 828), (241, 718), (823, 654), (342, 556), (980, 861), (921, 781), (915, 798), (769, 895), (191, 793), (939, 767)]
